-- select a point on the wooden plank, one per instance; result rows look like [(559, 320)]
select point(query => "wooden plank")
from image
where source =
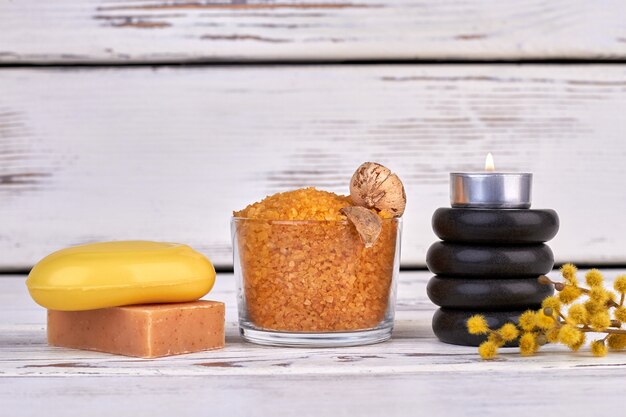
[(437, 394), (118, 31), (167, 154), (412, 371)]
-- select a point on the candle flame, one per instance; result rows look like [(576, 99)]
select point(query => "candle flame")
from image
[(489, 164)]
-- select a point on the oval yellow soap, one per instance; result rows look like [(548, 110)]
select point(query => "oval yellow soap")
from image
[(112, 274)]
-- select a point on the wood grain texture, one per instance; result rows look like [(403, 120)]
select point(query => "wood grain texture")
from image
[(411, 372), (106, 31), (167, 154)]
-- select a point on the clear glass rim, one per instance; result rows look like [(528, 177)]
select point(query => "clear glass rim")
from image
[(342, 222)]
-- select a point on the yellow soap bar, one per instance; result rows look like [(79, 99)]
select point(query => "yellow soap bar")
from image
[(113, 274)]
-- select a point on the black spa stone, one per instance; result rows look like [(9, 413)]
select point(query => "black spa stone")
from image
[(487, 293), (511, 226), (462, 260), (450, 325)]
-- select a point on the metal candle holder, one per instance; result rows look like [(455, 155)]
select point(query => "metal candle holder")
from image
[(496, 190)]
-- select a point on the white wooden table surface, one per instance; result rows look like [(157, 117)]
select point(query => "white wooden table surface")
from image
[(412, 374)]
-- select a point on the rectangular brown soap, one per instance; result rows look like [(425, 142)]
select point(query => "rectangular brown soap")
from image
[(145, 331)]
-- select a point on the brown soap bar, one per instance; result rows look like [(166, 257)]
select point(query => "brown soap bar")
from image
[(145, 331)]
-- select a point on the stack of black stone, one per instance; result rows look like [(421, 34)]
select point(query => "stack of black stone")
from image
[(487, 263)]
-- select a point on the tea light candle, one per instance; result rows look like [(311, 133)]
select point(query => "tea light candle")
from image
[(490, 189)]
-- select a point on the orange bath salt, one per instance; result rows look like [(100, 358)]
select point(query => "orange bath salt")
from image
[(302, 204), (146, 331), (305, 269)]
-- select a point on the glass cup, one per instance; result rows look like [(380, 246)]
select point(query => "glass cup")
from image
[(314, 283)]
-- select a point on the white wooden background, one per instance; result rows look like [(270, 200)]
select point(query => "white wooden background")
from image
[(413, 374), (114, 31), (166, 153)]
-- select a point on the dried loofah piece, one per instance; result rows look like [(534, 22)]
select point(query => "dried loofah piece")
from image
[(375, 186), (367, 223)]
